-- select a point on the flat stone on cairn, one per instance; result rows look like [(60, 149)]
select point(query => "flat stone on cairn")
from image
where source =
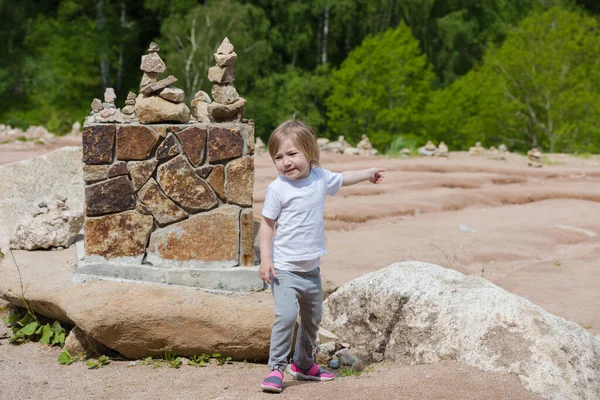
[(228, 105)]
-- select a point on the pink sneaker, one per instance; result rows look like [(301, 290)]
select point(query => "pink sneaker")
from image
[(314, 373), (273, 382)]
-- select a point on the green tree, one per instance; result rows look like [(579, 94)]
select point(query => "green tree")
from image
[(548, 72), (381, 89), (279, 96)]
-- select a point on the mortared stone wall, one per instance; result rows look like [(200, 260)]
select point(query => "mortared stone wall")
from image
[(176, 198)]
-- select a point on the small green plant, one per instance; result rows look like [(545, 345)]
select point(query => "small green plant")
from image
[(220, 359), (350, 371), (168, 358), (557, 263), (402, 142), (585, 156), (101, 362), (548, 161), (21, 138), (26, 326), (199, 361), (65, 358), (1, 254)]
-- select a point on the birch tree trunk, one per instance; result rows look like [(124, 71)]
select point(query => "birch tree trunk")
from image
[(120, 60), (325, 34), (104, 66)]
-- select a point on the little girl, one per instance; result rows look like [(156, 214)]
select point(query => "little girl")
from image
[(294, 205)]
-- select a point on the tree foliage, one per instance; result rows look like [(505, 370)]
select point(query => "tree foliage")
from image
[(381, 89), (540, 88)]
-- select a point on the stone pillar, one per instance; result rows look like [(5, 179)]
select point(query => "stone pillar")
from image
[(169, 204)]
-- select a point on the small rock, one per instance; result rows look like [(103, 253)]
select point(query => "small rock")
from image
[(42, 204), (172, 94), (334, 364), (108, 105), (96, 105), (226, 47), (153, 48), (346, 358), (109, 95), (377, 357)]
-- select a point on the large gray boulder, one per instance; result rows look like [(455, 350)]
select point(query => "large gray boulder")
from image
[(415, 312), (136, 319), (24, 184)]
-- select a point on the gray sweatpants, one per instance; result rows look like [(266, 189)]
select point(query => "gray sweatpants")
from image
[(293, 291)]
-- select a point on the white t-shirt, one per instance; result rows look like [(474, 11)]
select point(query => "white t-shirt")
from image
[(297, 206)]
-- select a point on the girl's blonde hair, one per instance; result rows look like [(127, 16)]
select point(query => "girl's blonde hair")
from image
[(303, 137)]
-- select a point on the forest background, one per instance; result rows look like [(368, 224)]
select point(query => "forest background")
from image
[(520, 72)]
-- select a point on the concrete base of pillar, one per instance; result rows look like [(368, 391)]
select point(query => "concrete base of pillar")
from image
[(234, 279)]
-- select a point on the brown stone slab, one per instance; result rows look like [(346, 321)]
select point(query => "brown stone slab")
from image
[(95, 173), (135, 142), (153, 87), (165, 211), (249, 138), (98, 142), (140, 171), (169, 148), (224, 143), (118, 235), (180, 182), (193, 141), (204, 171), (216, 179), (111, 196), (211, 236), (118, 169), (246, 238), (239, 181)]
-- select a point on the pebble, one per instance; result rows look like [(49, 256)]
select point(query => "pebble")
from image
[(335, 364)]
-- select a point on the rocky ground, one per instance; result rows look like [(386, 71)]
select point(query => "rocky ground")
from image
[(533, 232)]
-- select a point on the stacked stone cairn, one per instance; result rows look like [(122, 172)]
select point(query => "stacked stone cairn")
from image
[(158, 101), (365, 148), (428, 150), (442, 150), (227, 106), (105, 112), (503, 151), (535, 158), (477, 150), (168, 203), (259, 146), (129, 109)]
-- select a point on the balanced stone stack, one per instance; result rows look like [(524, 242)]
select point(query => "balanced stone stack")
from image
[(227, 106), (158, 101), (200, 106), (477, 150), (129, 109), (535, 158), (107, 111), (442, 150)]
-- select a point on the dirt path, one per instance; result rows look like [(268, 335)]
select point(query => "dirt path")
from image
[(534, 232)]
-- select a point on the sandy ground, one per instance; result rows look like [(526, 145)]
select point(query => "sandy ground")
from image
[(533, 232)]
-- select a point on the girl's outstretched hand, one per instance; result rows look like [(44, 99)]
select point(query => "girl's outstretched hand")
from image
[(265, 270), (376, 175)]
